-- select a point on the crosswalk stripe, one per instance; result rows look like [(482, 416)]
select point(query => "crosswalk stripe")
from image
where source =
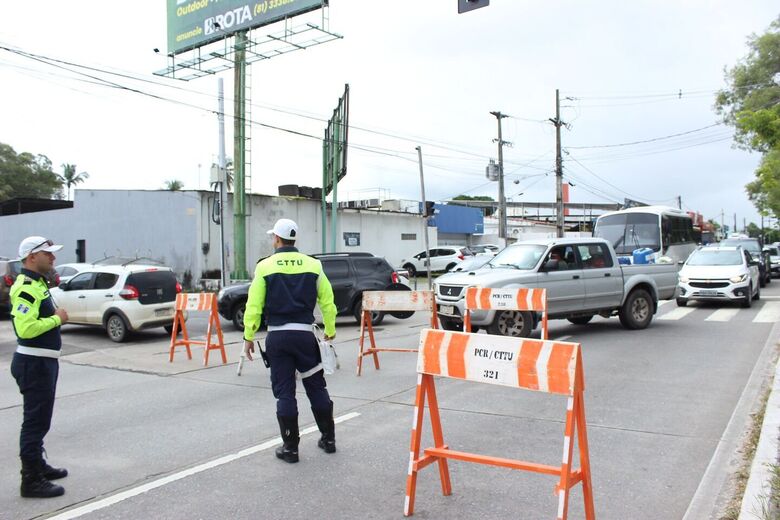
[(664, 302), (769, 313), (724, 314), (676, 314)]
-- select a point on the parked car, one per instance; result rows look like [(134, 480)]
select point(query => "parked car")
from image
[(470, 263), (9, 270), (441, 259), (68, 271), (121, 299), (774, 259), (723, 273), (349, 274), (753, 247), (582, 277)]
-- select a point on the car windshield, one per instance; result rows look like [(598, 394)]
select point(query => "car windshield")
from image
[(522, 256), (750, 245), (715, 257)]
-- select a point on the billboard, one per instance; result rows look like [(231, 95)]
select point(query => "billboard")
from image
[(335, 144), (192, 23)]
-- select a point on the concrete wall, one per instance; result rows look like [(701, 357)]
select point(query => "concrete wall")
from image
[(176, 227)]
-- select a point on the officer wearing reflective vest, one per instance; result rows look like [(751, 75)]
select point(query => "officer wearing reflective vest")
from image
[(35, 366), (286, 287)]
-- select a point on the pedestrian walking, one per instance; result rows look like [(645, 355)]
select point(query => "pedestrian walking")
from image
[(35, 365), (286, 287)]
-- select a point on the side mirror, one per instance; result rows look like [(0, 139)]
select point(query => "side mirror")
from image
[(64, 286)]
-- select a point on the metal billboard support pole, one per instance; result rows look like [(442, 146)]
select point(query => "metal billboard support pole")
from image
[(425, 219), (239, 161), (221, 181)]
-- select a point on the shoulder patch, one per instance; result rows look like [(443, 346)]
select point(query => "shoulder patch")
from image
[(22, 308), (26, 296)]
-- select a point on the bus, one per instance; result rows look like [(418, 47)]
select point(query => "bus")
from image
[(667, 231)]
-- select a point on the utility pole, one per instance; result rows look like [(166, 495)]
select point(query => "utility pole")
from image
[(425, 219), (558, 166), (221, 182), (735, 223), (501, 196), (679, 202)]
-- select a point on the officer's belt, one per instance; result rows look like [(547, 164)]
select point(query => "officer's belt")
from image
[(306, 327), (38, 352)]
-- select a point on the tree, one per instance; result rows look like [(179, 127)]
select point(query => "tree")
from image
[(751, 104), (27, 175), (174, 185), (488, 211), (70, 178)]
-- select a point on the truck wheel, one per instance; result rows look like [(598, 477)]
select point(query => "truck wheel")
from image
[(747, 301), (637, 311), (411, 269), (580, 320), (682, 302), (516, 324)]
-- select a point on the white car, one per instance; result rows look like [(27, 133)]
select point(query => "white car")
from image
[(68, 271), (441, 258), (121, 299), (727, 274)]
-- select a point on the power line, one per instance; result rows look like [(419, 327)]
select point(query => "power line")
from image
[(654, 139)]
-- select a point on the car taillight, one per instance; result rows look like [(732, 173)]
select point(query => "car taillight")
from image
[(461, 257), (394, 277), (178, 288), (57, 279), (8, 279), (129, 292)]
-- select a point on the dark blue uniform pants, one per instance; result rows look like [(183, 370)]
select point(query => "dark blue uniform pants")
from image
[(37, 380), (288, 351)]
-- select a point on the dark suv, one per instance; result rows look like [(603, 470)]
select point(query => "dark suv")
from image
[(349, 274), (752, 246)]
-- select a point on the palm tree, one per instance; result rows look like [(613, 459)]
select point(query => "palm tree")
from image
[(174, 185), (70, 178)]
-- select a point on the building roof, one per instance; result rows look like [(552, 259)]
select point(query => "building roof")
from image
[(28, 205)]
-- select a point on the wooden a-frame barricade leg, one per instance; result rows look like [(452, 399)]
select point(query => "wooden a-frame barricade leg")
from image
[(205, 302), (575, 421)]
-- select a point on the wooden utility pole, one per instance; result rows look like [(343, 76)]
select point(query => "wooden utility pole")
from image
[(558, 167), (501, 196)]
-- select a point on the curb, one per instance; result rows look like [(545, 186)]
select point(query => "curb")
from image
[(758, 488)]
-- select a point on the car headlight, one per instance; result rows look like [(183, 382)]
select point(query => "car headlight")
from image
[(740, 278), (683, 279)]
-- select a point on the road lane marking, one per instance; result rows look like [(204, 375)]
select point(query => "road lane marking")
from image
[(769, 313), (676, 314), (661, 303), (562, 338), (765, 297), (724, 314), (139, 490)]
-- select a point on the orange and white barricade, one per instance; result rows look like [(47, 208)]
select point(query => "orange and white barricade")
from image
[(390, 301), (197, 302), (553, 367), (524, 299)]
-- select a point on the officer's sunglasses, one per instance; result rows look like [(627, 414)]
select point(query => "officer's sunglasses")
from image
[(47, 243)]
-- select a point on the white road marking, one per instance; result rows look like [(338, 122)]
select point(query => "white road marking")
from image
[(133, 492), (562, 338), (769, 313), (661, 303), (724, 314), (764, 297), (676, 314)]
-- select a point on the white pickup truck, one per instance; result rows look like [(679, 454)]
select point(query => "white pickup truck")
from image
[(582, 276)]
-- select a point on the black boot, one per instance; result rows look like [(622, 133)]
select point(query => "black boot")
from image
[(288, 425), (324, 418), (35, 484), (50, 473)]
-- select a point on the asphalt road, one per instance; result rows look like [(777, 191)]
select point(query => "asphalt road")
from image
[(145, 438)]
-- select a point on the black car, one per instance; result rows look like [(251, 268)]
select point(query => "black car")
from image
[(753, 246), (349, 274)]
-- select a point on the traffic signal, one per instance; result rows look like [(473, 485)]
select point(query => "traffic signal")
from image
[(469, 5), (429, 209)]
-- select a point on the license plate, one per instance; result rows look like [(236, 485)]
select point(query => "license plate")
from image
[(163, 312), (708, 292), (449, 310)]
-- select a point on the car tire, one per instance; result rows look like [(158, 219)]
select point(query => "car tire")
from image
[(515, 324), (411, 269), (117, 329), (758, 295), (747, 301), (682, 302), (238, 315), (169, 329), (637, 311), (580, 320), (357, 311)]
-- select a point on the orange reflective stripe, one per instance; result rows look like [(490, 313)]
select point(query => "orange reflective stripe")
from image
[(539, 299), (431, 349), (558, 376), (484, 298), (471, 297), (526, 365), (456, 363)]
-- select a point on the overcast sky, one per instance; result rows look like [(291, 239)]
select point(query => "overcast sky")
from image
[(627, 71)]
